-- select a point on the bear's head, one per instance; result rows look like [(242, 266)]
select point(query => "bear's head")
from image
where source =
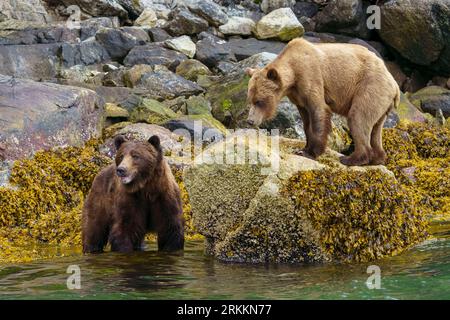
[(265, 91), (137, 162)]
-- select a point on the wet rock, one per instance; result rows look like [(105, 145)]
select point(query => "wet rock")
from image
[(117, 42), (211, 50), (37, 61), (305, 9), (147, 18), (257, 213), (40, 115), (245, 48), (208, 10), (86, 53), (190, 69), (238, 26), (431, 99), (346, 17), (154, 54), (182, 44), (419, 31), (182, 22), (281, 23)]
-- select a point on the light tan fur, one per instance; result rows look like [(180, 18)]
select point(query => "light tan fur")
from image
[(324, 78)]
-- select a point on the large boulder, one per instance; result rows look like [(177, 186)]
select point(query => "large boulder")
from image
[(191, 69), (117, 42), (281, 24), (344, 17), (208, 10), (154, 54), (257, 203), (238, 26), (25, 10), (419, 31), (86, 53), (39, 115), (211, 50), (183, 22), (182, 44), (98, 8), (245, 48), (37, 61)]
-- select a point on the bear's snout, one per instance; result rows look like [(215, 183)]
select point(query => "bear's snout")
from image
[(121, 172)]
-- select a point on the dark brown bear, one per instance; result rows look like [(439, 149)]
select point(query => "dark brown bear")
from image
[(135, 195)]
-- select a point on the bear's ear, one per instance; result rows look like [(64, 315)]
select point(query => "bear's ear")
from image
[(154, 141), (118, 141), (250, 71), (272, 74)]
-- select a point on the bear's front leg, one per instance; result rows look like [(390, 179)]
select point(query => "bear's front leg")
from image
[(128, 231), (319, 126), (169, 221)]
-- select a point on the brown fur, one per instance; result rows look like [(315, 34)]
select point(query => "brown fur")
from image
[(324, 78), (122, 213)]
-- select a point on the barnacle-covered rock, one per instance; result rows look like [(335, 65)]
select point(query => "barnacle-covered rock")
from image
[(288, 208)]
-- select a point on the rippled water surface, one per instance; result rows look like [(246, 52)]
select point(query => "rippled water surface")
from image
[(420, 273)]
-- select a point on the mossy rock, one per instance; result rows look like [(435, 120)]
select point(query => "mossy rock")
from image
[(302, 211), (431, 99), (151, 111)]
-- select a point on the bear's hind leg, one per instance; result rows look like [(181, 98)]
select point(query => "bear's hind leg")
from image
[(360, 131), (378, 155), (168, 214)]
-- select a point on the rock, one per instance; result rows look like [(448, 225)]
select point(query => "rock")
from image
[(37, 61), (154, 54), (208, 10), (151, 111), (14, 32), (190, 69), (86, 53), (211, 50), (115, 114), (245, 48), (79, 75), (225, 67), (146, 19), (99, 8), (201, 129), (39, 115), (271, 5), (123, 97), (281, 23), (419, 31), (90, 27), (133, 7), (287, 120), (132, 77), (343, 16), (158, 35), (448, 83), (238, 26), (182, 44), (431, 99), (25, 10), (405, 112), (171, 143), (182, 22), (198, 105), (163, 84), (116, 42), (305, 9), (416, 81), (268, 213), (141, 34)]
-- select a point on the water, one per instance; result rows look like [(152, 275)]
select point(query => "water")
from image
[(420, 273)]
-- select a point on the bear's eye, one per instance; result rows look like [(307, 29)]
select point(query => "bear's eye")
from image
[(135, 156), (259, 103)]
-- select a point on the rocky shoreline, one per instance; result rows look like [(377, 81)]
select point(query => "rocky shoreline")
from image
[(148, 67)]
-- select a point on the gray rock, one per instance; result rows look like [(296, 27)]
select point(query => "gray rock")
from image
[(85, 53), (90, 26), (25, 10), (182, 22), (159, 35), (182, 44), (238, 26), (39, 115), (191, 69), (154, 54), (37, 61), (211, 50), (431, 99), (98, 8), (245, 48), (271, 5), (117, 42), (419, 31), (305, 9), (208, 10), (281, 24)]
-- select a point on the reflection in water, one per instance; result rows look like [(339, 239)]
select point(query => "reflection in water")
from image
[(421, 273)]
